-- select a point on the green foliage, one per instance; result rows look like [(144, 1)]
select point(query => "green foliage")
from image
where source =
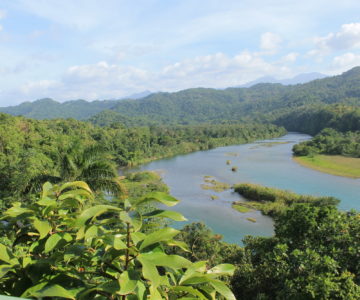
[(313, 255), (205, 245), (312, 119), (32, 152), (274, 202), (64, 246), (332, 142)]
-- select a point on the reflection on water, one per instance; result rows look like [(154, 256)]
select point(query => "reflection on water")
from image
[(270, 166)]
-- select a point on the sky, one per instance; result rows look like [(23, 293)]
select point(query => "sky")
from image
[(109, 49)]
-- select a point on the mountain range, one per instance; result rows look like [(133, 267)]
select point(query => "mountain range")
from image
[(203, 104)]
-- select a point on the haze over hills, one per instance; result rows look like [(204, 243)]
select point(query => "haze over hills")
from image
[(202, 104), (298, 79)]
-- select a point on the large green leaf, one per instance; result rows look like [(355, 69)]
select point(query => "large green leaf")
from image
[(164, 260), (93, 212), (161, 197), (222, 270), (16, 210), (164, 234), (75, 194), (166, 214), (76, 184), (52, 242), (51, 291), (196, 269), (127, 281), (222, 289), (150, 271), (43, 227)]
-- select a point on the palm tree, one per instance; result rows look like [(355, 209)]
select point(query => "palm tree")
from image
[(92, 164)]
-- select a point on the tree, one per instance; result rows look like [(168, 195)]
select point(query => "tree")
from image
[(91, 164), (64, 246)]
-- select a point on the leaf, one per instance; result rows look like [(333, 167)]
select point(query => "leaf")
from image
[(16, 210), (190, 290), (5, 254), (52, 241), (127, 283), (150, 271), (43, 227), (115, 241), (4, 269), (222, 289), (160, 197), (166, 214), (222, 270), (182, 245), (196, 269), (154, 293), (93, 212), (164, 234), (47, 186), (118, 243), (75, 193), (52, 291), (93, 231), (164, 260), (76, 184), (137, 237)]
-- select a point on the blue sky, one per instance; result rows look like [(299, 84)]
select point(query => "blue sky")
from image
[(108, 49)]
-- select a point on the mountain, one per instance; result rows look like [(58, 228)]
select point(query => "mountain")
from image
[(263, 101), (50, 109), (211, 105), (298, 79)]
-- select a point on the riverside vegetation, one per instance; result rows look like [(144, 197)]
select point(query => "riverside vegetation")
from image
[(72, 228)]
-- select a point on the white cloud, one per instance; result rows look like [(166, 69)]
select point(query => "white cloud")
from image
[(345, 61), (347, 38), (291, 57), (270, 41), (103, 80)]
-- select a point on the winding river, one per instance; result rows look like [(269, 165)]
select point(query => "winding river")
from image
[(265, 163)]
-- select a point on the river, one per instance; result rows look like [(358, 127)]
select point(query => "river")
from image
[(259, 162)]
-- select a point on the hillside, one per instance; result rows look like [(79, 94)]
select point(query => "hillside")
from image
[(201, 105), (51, 109)]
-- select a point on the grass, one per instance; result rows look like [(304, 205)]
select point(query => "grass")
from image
[(213, 197), (332, 164), (214, 185), (241, 207), (274, 202)]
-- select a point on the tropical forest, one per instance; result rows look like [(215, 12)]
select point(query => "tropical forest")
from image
[(219, 184)]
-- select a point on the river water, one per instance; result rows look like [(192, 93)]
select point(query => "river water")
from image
[(267, 164)]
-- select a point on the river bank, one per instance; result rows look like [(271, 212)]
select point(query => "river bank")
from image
[(332, 164), (257, 163)]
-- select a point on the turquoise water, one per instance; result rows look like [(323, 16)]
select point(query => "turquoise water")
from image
[(269, 166)]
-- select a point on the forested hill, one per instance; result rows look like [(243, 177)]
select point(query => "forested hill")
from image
[(51, 109), (200, 105), (205, 105)]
